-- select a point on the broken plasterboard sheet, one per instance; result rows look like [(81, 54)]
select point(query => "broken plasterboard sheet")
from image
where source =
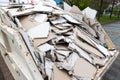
[(75, 10), (89, 29), (38, 42), (60, 74), (40, 31), (27, 22), (81, 52), (90, 13), (63, 26), (69, 63), (63, 52), (59, 21), (51, 5), (49, 68), (81, 35), (58, 12), (58, 31), (45, 47), (67, 7), (51, 2), (15, 12), (70, 19), (84, 69), (59, 57), (41, 8), (101, 48), (62, 46), (88, 48), (41, 18), (78, 17)]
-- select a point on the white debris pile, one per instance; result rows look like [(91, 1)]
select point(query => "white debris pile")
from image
[(70, 45)]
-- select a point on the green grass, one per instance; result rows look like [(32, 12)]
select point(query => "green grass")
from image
[(106, 19)]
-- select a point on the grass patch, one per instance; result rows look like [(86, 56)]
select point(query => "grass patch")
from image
[(106, 19)]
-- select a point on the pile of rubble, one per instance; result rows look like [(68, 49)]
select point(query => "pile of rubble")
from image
[(69, 44)]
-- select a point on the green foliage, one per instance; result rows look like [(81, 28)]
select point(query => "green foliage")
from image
[(85, 3), (106, 19), (80, 3)]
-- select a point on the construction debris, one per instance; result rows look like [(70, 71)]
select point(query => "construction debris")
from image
[(68, 44)]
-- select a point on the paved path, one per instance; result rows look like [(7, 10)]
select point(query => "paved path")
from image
[(113, 30)]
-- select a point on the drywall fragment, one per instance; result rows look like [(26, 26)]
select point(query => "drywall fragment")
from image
[(82, 68), (58, 39), (62, 46), (63, 26), (58, 12), (67, 7), (69, 63), (90, 13), (99, 30), (40, 31), (49, 68), (39, 41), (58, 21), (81, 52), (40, 7), (70, 19), (101, 48), (59, 26), (41, 18), (88, 48), (28, 22), (60, 57), (82, 36), (75, 10), (45, 47), (63, 52), (58, 31), (14, 12), (60, 74), (51, 5), (51, 2), (100, 62), (89, 29), (113, 52), (78, 17)]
